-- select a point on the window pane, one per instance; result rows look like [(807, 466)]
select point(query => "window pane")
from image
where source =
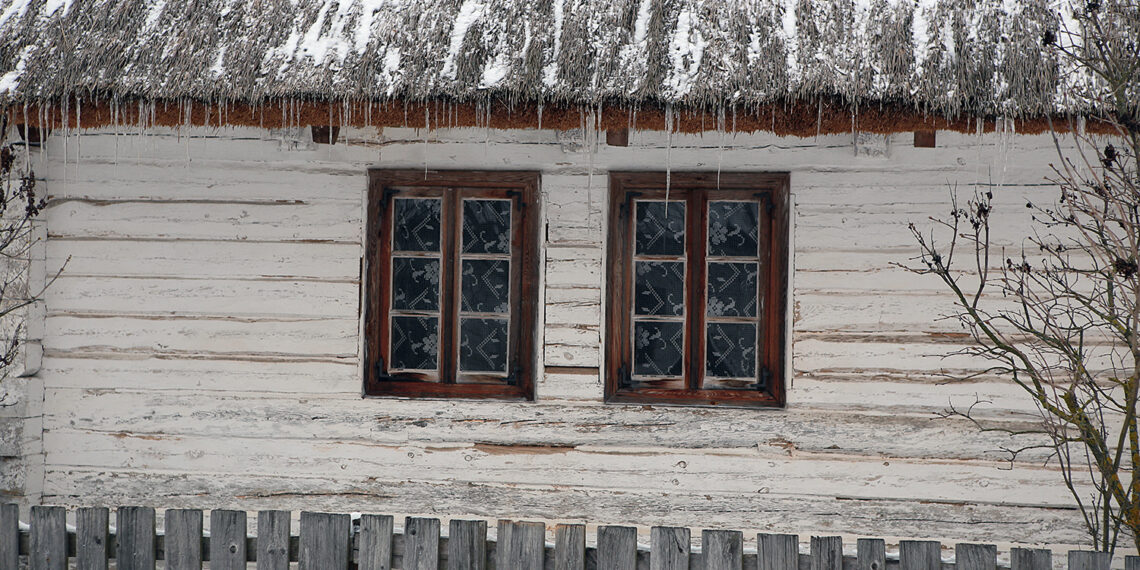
[(731, 350), (733, 229), (660, 229), (415, 343), (415, 284), (659, 288), (732, 289), (658, 348), (483, 345), (416, 224), (486, 286), (486, 226)]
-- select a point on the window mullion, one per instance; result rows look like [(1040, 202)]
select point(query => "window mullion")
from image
[(449, 315), (697, 235)]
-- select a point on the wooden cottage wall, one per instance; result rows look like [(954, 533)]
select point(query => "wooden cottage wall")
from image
[(202, 342)]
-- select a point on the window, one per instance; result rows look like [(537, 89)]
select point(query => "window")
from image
[(697, 288), (452, 276)]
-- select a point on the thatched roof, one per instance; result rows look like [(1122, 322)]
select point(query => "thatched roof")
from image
[(938, 57)]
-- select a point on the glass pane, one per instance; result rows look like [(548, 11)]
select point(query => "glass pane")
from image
[(659, 288), (415, 343), (732, 289), (733, 229), (486, 226), (731, 350), (660, 230), (486, 286), (658, 348), (416, 224), (483, 345), (415, 284)]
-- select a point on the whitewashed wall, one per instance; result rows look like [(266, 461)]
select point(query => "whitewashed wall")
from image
[(201, 346)]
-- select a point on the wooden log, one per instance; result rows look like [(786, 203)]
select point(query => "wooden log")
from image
[(227, 540), (325, 541), (9, 535), (870, 554), (93, 538), (827, 553), (421, 544), (722, 549), (669, 548), (521, 545), (617, 547), (570, 547), (467, 544), (1132, 563), (135, 540), (48, 545), (183, 541), (1030, 559), (375, 542), (975, 556), (1087, 560), (777, 552), (273, 540), (920, 555)]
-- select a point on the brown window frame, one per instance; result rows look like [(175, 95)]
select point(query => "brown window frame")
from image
[(522, 188), (697, 188)]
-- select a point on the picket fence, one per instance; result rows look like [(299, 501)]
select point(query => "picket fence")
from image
[(328, 541)]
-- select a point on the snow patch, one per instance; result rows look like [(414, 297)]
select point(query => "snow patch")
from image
[(219, 63), (368, 10), (469, 12), (17, 9), (9, 80), (920, 34), (550, 72), (391, 67), (316, 45), (791, 46), (686, 50), (641, 26), (51, 6), (152, 15)]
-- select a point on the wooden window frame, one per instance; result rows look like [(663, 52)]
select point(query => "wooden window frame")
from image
[(522, 188), (697, 188)]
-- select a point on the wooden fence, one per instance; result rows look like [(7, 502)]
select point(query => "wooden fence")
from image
[(338, 542)]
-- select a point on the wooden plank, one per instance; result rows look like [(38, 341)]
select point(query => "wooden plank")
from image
[(375, 542), (570, 547), (9, 535), (93, 538), (1132, 563), (183, 539), (669, 548), (520, 545), (920, 555), (827, 553), (617, 547), (273, 540), (325, 541), (467, 544), (1087, 560), (227, 540), (48, 545), (870, 554), (777, 552), (975, 556), (1030, 559), (723, 549), (421, 543), (135, 539)]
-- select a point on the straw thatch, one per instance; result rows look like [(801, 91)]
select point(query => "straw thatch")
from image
[(946, 58)]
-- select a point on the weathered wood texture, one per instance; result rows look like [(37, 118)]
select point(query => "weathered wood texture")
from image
[(617, 547), (227, 540), (778, 551), (93, 538), (669, 548), (49, 539), (9, 535), (467, 544), (871, 554), (325, 541), (203, 341), (827, 553), (421, 543), (1081, 560), (975, 556), (570, 547), (723, 549), (135, 538), (1030, 559), (273, 541), (183, 539), (520, 545), (920, 555), (375, 542)]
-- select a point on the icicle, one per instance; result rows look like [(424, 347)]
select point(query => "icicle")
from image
[(28, 147), (540, 115), (78, 132), (668, 153), (427, 124), (66, 131), (720, 148)]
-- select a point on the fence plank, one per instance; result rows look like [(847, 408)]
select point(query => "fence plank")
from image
[(669, 548), (421, 544), (183, 539), (975, 556), (520, 545), (376, 542), (1086, 560), (9, 535), (870, 554), (325, 541), (826, 553), (273, 540), (778, 552), (92, 538), (134, 546), (570, 547), (49, 539), (1030, 559), (723, 549), (1132, 563), (227, 540), (920, 555), (617, 547), (467, 544)]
